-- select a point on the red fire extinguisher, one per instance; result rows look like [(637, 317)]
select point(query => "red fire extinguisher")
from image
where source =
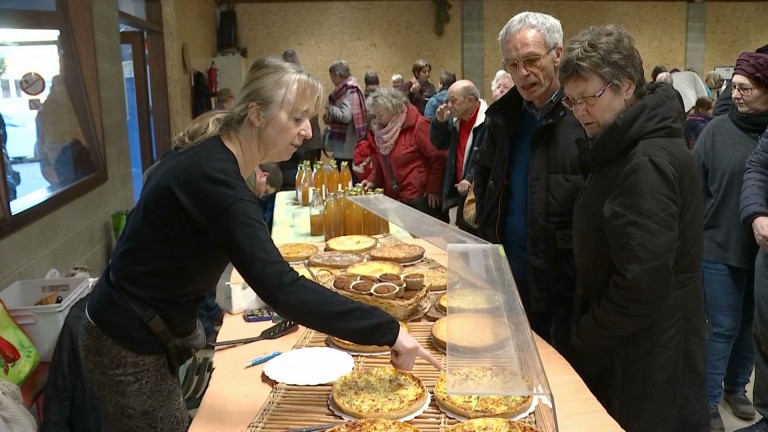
[(213, 78)]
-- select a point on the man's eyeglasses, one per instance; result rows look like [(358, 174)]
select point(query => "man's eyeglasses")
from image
[(586, 101), (530, 62), (745, 91)]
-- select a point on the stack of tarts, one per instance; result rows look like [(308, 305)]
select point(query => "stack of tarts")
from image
[(379, 392)]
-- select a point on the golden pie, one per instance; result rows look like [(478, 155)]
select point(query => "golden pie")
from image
[(355, 348), (474, 406), (335, 259), (491, 425), (351, 243), (470, 331), (436, 278), (399, 253), (297, 251), (374, 425), (375, 268), (379, 392), (468, 300)]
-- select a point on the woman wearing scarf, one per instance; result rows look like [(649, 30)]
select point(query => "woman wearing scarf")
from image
[(345, 114), (730, 249), (639, 323), (407, 166)]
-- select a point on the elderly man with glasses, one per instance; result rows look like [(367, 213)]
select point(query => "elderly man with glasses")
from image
[(527, 175)]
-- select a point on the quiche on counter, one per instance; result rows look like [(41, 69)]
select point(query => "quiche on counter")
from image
[(379, 392)]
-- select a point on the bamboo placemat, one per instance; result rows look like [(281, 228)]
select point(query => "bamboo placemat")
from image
[(290, 406)]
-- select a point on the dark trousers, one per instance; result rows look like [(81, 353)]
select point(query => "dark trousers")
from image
[(760, 334), (135, 392)]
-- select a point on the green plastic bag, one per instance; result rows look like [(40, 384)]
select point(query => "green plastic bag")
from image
[(18, 356)]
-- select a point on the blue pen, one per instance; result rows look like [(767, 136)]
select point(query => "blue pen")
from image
[(262, 359)]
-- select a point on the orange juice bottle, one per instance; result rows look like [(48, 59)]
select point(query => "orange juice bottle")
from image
[(328, 217), (349, 212), (318, 180), (342, 203), (383, 223), (345, 176), (306, 187), (316, 211), (299, 180), (333, 178)]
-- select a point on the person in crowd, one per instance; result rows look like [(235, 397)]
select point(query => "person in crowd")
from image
[(12, 177), (225, 99), (419, 89), (345, 114), (195, 214), (690, 86), (715, 83), (527, 175), (371, 80), (700, 115), (639, 324), (407, 165), (751, 90), (268, 179), (447, 78), (658, 69), (723, 103), (730, 250), (664, 78), (459, 127), (501, 84), (397, 81), (365, 155)]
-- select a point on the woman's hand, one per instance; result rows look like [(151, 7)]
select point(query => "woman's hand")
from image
[(760, 227), (463, 187), (433, 200), (415, 87), (406, 349), (367, 185)]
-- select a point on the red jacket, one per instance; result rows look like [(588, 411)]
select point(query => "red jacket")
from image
[(417, 165)]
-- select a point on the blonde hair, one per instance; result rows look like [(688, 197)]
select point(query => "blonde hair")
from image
[(270, 84)]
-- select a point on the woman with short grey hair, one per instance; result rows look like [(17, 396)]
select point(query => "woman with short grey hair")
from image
[(639, 321)]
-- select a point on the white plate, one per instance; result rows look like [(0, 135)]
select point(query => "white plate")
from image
[(309, 366), (418, 412)]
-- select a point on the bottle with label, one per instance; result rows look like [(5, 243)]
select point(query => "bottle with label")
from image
[(316, 212), (345, 176)]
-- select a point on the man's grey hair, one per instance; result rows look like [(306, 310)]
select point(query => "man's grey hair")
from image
[(548, 26), (340, 68)]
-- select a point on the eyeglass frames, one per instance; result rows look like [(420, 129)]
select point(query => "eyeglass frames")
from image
[(530, 62), (745, 91), (586, 101)]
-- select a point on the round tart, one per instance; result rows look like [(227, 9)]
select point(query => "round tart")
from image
[(468, 300), (379, 392), (470, 331), (364, 349), (375, 268), (373, 425), (297, 251), (436, 279), (491, 425), (474, 406), (335, 259), (351, 243), (400, 253)]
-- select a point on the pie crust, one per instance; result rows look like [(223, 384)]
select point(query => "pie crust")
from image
[(375, 268), (379, 392), (399, 253), (491, 425), (474, 406), (297, 251), (364, 349), (335, 259), (374, 425), (471, 331), (351, 243), (468, 300)]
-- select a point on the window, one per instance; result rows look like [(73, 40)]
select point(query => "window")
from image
[(49, 109)]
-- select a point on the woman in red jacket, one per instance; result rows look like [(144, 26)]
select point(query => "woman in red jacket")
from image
[(407, 166)]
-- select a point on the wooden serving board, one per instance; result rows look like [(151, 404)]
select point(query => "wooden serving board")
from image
[(291, 406)]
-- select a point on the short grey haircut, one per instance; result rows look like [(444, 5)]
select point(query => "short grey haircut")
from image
[(340, 68), (548, 26), (664, 77), (397, 77), (501, 73), (391, 99), (606, 51)]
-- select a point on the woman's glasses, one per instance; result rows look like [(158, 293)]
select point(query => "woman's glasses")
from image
[(745, 91), (530, 62), (586, 101)]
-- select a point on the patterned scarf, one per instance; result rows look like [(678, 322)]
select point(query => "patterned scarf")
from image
[(386, 137), (338, 131)]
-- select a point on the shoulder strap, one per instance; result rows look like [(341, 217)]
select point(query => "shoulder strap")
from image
[(147, 314)]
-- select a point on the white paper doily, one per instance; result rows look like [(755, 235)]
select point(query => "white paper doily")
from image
[(339, 413), (309, 366), (333, 345), (520, 416)]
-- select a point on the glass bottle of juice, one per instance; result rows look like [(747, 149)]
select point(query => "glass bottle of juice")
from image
[(333, 178), (349, 213), (342, 202), (316, 212), (345, 176), (329, 215), (306, 186), (299, 180), (383, 223), (318, 180)]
